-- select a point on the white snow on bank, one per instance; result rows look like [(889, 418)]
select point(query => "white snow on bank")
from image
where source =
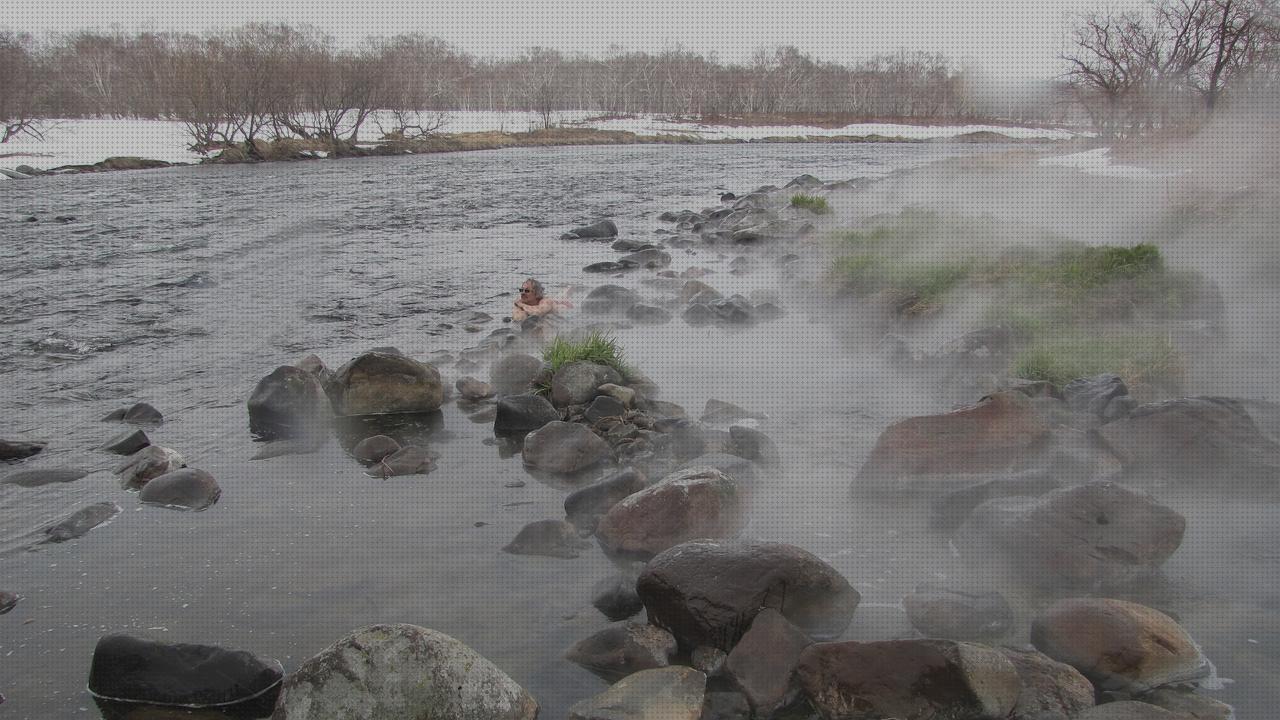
[(1098, 162), (84, 142)]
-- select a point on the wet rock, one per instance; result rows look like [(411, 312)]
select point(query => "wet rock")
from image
[(1088, 536), (672, 693), (664, 409), (622, 649), (719, 412), (725, 705), (375, 449), (954, 615), (733, 311), (698, 315), (763, 662), (1189, 704), (615, 596), (754, 445), (928, 453), (1127, 710), (649, 258), (137, 670), (378, 383), (408, 460), (621, 393), (292, 446), (609, 300), (602, 230), (401, 671), (288, 403), (575, 383), (314, 365), (766, 312), (514, 374), (804, 182), (707, 592), (519, 415), (17, 450), (648, 314), (563, 448), (37, 478), (142, 414), (1050, 690), (604, 406), (741, 470), (1118, 645), (908, 679), (629, 246), (185, 489), (586, 506), (609, 266), (150, 462), (697, 291), (473, 390), (696, 503), (81, 521), (126, 443), (548, 538), (708, 660), (8, 601), (1094, 394), (954, 507), (1208, 442)]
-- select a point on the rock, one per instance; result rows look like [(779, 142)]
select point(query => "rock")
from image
[(1094, 394), (664, 409), (292, 446), (185, 489), (621, 393), (763, 662), (615, 597), (649, 258), (385, 383), (602, 230), (741, 470), (805, 182), (697, 289), (473, 390), (953, 615), (374, 449), (725, 705), (1209, 442), (519, 415), (401, 671), (314, 365), (150, 462), (81, 521), (1118, 645), (36, 478), (137, 670), (708, 660), (549, 538), (733, 311), (766, 312), (954, 507), (604, 406), (288, 403), (755, 446), (927, 453), (672, 693), (1189, 705), (1050, 690), (719, 412), (1096, 535), (575, 383), (586, 506), (648, 314), (126, 443), (137, 414), (17, 450), (908, 679), (707, 592), (563, 448), (514, 374), (696, 503), (608, 266), (628, 246), (609, 300), (8, 601), (408, 460), (698, 315), (1127, 710), (622, 649)]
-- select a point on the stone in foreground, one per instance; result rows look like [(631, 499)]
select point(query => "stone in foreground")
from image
[(129, 669), (672, 693)]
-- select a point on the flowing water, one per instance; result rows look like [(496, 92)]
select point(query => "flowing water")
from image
[(184, 287)]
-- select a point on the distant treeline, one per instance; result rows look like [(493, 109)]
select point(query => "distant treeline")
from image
[(260, 80)]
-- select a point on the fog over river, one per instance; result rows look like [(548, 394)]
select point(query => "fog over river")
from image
[(183, 287)]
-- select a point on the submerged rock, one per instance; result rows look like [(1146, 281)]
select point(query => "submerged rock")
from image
[(601, 230), (615, 596), (408, 460), (37, 478), (549, 538), (473, 390), (563, 448), (954, 615), (185, 489), (954, 507), (136, 670), (81, 521), (609, 300), (126, 443), (143, 414), (8, 601), (622, 649), (288, 403), (374, 449), (672, 693), (586, 506), (378, 383), (18, 450), (519, 415), (401, 671), (148, 463)]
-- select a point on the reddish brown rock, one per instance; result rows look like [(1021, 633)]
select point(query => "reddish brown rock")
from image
[(696, 503), (763, 662), (1050, 690)]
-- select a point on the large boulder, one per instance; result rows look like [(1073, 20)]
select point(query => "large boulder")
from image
[(136, 670), (185, 489), (563, 448), (763, 662), (696, 503), (707, 592), (1003, 432), (575, 383), (609, 300), (1209, 442), (1118, 645), (585, 507), (1050, 690), (1089, 536), (601, 230), (908, 680), (290, 402), (514, 374), (390, 672), (379, 383), (622, 649), (519, 415), (671, 693)]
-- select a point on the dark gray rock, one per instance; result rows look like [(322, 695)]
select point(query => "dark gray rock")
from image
[(604, 406), (955, 615), (648, 314), (609, 266), (622, 649), (575, 383), (602, 230), (1094, 395), (408, 460), (8, 601), (629, 246), (763, 662), (142, 414), (473, 390), (615, 596), (81, 521), (754, 445), (374, 449), (36, 478), (651, 258), (137, 670), (955, 506), (17, 450), (519, 415), (514, 374), (548, 538), (609, 300), (563, 448), (586, 506), (150, 462), (378, 383), (185, 489), (127, 442), (288, 403), (698, 315), (708, 660)]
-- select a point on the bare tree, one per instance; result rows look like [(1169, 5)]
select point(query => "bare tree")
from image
[(22, 83)]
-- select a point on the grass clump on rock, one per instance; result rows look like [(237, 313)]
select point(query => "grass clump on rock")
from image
[(812, 203), (594, 347), (1146, 359)]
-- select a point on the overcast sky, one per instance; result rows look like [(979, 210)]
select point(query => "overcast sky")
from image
[(1008, 38)]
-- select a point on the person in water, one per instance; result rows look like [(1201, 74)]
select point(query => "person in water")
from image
[(534, 310)]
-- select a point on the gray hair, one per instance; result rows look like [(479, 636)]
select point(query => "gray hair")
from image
[(535, 286)]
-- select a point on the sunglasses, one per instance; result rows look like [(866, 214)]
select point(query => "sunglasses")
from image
[(525, 290)]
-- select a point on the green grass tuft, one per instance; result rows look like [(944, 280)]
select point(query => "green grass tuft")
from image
[(595, 347), (812, 203), (1060, 359)]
